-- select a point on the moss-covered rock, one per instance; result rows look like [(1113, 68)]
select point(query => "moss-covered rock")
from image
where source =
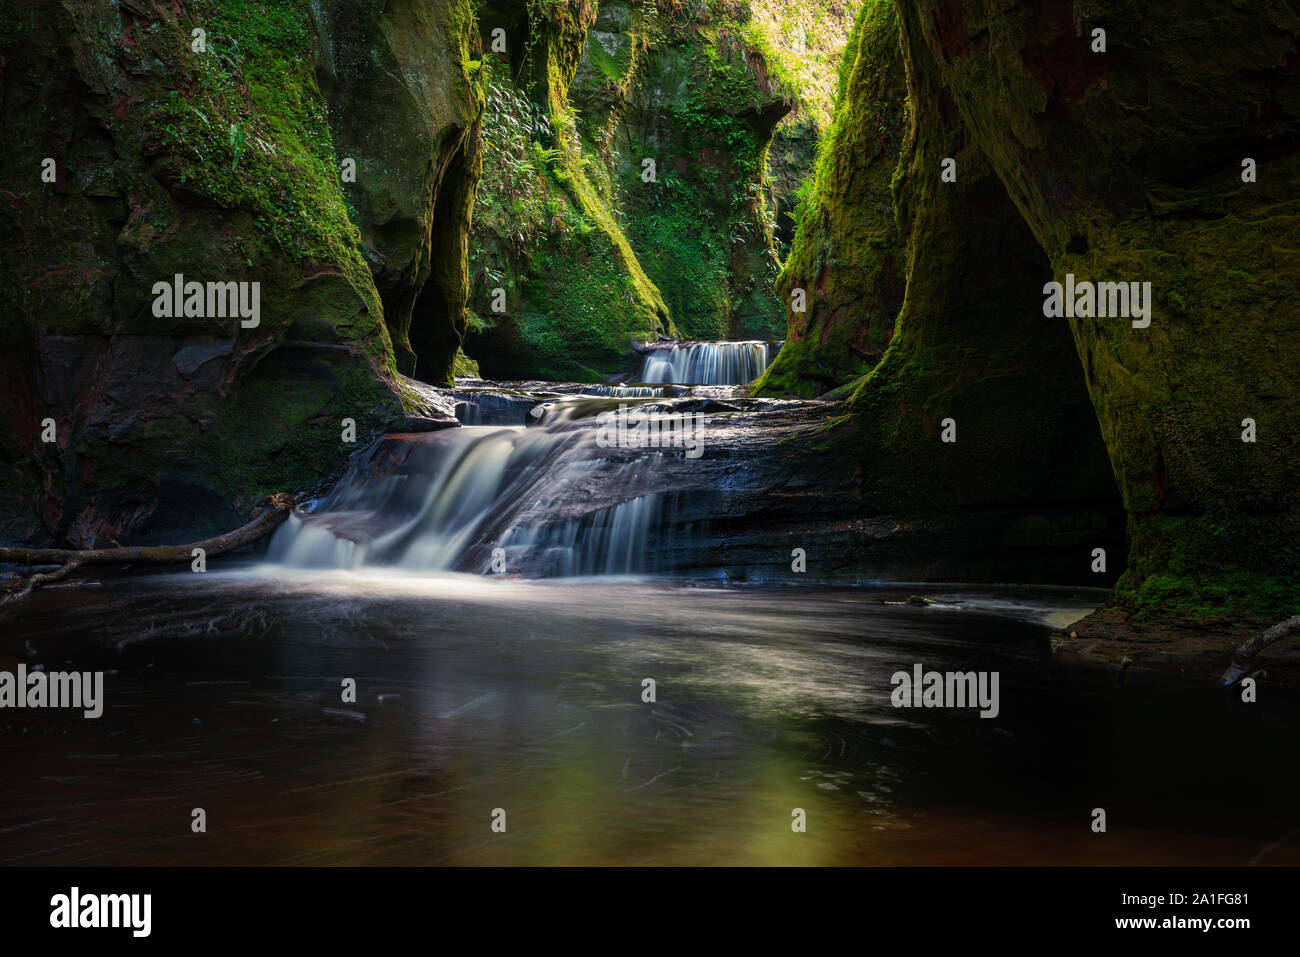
[(207, 154), (589, 251), (1115, 164), (803, 44), (404, 92), (847, 259), (703, 108), (557, 290), (972, 355), (1127, 166)]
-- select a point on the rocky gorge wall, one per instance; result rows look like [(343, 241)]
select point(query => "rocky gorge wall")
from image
[(1120, 159), (331, 155), (579, 246), (1127, 165), (375, 166), (848, 257), (209, 140)]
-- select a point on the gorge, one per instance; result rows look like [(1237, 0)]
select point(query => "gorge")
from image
[(966, 315)]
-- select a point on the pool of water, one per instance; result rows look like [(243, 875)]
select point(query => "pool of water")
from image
[(476, 694)]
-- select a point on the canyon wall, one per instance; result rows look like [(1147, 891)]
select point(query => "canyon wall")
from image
[(626, 194), (145, 141), (1161, 151)]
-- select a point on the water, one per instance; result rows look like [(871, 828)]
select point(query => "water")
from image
[(543, 501), (476, 693), (707, 363), (624, 391), (523, 690), (492, 406)]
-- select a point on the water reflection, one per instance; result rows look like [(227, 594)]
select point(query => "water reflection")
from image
[(475, 694)]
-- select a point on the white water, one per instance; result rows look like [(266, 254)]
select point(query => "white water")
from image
[(624, 391), (554, 502), (484, 407), (492, 408), (707, 363)]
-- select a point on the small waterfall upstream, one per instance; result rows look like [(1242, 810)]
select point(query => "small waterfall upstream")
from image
[(707, 363), (541, 502), (624, 391), (489, 407)]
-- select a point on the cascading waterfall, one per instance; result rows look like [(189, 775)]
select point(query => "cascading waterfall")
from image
[(623, 391), (492, 408), (707, 363), (483, 407), (552, 500)]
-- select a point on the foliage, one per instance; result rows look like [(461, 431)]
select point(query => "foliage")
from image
[(251, 130)]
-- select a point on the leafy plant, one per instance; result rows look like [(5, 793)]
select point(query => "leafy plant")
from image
[(238, 143)]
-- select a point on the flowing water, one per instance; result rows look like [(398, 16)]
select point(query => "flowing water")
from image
[(707, 363), (477, 693), (526, 692), (461, 500)]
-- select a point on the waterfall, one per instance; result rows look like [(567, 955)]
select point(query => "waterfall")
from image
[(548, 501), (492, 408), (707, 363), (624, 391), (484, 407)]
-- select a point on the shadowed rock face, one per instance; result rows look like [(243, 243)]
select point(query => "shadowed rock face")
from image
[(971, 350), (1115, 166), (1127, 166), (402, 104), (221, 166)]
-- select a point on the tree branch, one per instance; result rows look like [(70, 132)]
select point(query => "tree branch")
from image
[(40, 579), (70, 559), (1245, 655)]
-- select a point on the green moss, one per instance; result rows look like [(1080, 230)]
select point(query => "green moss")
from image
[(545, 229), (282, 431), (1119, 168), (579, 315), (848, 253), (1127, 168), (611, 68), (964, 272), (1200, 566), (164, 186), (696, 243), (465, 366), (252, 132), (704, 227)]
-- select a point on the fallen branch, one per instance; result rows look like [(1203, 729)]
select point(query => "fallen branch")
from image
[(1245, 655), (70, 559), (37, 580)]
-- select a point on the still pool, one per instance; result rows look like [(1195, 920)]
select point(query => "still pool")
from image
[(224, 692)]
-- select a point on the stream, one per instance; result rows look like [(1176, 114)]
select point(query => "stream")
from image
[(521, 686)]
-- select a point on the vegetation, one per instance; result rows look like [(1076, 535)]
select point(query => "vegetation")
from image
[(250, 130), (849, 256), (686, 85)]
